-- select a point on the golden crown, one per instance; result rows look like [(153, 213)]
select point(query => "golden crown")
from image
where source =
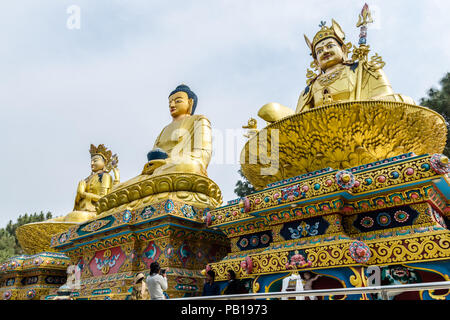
[(102, 151), (335, 31)]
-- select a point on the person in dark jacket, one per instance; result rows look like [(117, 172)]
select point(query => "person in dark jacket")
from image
[(234, 285), (210, 288)]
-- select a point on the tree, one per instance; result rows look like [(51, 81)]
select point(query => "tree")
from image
[(9, 245), (439, 101), (243, 187)]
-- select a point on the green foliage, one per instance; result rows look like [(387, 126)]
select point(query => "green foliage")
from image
[(243, 187), (439, 101), (9, 245)]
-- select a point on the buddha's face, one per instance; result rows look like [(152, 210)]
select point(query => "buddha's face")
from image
[(97, 163), (329, 53), (180, 104)]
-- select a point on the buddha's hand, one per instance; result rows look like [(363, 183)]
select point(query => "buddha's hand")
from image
[(152, 165), (81, 189)]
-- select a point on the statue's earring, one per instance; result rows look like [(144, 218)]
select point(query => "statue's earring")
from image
[(191, 104)]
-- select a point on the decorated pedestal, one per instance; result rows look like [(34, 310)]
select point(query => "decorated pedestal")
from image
[(113, 248), (391, 213), (32, 277)]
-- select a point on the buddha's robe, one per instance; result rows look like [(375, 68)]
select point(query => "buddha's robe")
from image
[(91, 189), (341, 85), (188, 144)]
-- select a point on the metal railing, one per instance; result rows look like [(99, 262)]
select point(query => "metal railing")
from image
[(383, 290)]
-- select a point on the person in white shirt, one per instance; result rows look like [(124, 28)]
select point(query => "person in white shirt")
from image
[(156, 282)]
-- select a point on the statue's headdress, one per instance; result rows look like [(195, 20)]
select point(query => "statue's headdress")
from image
[(101, 150), (335, 32)]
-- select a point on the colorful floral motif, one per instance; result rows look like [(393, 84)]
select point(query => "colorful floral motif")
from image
[(438, 166), (359, 251), (345, 179), (31, 294), (188, 211), (147, 212)]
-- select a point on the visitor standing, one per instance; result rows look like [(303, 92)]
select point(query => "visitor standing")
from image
[(210, 288), (156, 282), (140, 291), (234, 285)]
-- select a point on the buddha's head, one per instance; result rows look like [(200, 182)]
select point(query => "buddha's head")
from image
[(100, 156), (182, 101), (97, 163), (328, 47)]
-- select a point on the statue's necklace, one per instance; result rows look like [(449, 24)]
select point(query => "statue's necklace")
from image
[(328, 79)]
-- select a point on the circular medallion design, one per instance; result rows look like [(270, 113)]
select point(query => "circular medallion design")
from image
[(254, 241), (243, 243), (38, 261), (395, 174), (7, 295), (31, 294), (367, 222), (345, 179), (383, 219), (359, 251), (438, 165), (265, 238), (401, 216)]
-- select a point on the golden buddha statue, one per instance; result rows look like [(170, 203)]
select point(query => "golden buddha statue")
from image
[(186, 141), (177, 165), (35, 237), (95, 186)]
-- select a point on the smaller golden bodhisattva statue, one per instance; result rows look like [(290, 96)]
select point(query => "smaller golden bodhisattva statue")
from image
[(35, 237)]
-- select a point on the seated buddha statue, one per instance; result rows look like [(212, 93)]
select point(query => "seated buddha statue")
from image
[(176, 167), (184, 145), (95, 186)]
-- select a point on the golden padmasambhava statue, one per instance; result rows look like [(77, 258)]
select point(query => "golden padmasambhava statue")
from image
[(340, 79), (348, 115)]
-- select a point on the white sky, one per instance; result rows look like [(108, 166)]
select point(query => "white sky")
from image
[(108, 82)]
